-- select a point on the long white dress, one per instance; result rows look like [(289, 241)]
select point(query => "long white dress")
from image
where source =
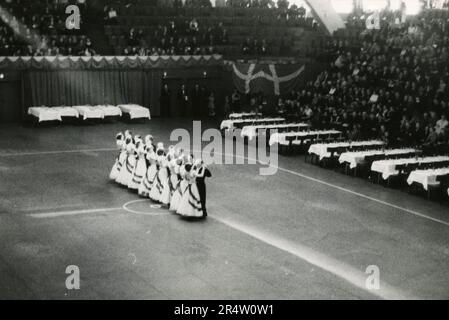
[(126, 173), (174, 177), (147, 182), (190, 205), (180, 190), (140, 169), (119, 161), (160, 192)]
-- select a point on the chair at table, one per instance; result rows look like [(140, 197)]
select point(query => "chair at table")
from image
[(444, 182)]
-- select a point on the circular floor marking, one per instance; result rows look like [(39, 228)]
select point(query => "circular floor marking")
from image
[(153, 209)]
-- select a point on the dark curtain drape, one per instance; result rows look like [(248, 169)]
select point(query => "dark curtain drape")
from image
[(90, 87)]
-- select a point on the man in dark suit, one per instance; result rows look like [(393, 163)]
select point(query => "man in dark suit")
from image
[(197, 100), (183, 100), (165, 101)]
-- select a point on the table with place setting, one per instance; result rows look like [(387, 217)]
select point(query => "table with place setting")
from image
[(253, 131), (300, 137), (355, 158), (327, 150), (389, 167), (244, 115), (427, 178), (230, 124)]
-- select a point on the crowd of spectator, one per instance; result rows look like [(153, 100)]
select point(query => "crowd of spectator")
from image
[(390, 83), (38, 28), (190, 37), (176, 39)]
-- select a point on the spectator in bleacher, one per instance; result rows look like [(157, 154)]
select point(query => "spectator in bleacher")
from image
[(247, 47), (235, 101), (442, 125), (111, 15), (193, 27), (132, 38)]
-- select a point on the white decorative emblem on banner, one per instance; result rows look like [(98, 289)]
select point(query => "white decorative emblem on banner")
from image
[(261, 74)]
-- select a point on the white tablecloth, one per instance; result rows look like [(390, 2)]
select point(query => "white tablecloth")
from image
[(281, 138), (320, 149), (110, 111), (427, 177), (44, 113), (251, 131), (135, 111), (355, 158), (67, 112), (243, 115), (388, 167), (89, 112), (229, 124)]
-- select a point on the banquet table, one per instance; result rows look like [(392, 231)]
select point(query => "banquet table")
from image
[(427, 177), (89, 112), (110, 111), (251, 132), (358, 157), (234, 124), (67, 111), (288, 138), (44, 113), (325, 150), (244, 115), (388, 167), (135, 111)]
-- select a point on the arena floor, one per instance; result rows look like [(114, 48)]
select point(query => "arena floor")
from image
[(304, 233)]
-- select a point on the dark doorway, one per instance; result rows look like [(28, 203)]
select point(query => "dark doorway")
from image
[(10, 101)]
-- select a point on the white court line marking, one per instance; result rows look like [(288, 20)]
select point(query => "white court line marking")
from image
[(125, 207), (415, 213), (70, 213), (337, 268), (38, 153), (322, 261)]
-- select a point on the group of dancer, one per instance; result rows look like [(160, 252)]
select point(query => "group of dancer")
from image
[(169, 177)]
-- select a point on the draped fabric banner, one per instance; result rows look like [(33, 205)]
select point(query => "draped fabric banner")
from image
[(267, 78), (108, 62)]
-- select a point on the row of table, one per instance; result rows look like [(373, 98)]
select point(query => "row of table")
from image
[(253, 131), (355, 158), (244, 115), (232, 124), (346, 152), (405, 158), (329, 150), (44, 113), (301, 137), (390, 167)]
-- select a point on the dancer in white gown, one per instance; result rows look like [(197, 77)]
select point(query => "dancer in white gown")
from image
[(173, 179), (190, 205), (148, 180), (120, 141), (161, 182), (182, 185), (141, 166), (126, 173)]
